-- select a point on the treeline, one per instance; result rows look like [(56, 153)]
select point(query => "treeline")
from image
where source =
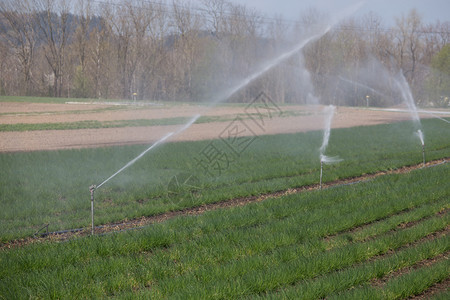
[(176, 51)]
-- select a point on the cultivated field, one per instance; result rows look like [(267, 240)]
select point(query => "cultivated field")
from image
[(28, 126), (260, 227)]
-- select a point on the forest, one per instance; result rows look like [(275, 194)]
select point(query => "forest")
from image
[(181, 51)]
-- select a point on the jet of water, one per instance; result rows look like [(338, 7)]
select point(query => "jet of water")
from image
[(419, 133), (362, 86), (157, 143), (330, 159), (246, 81), (407, 96), (160, 141), (284, 56), (409, 100), (403, 85), (435, 115), (329, 113)]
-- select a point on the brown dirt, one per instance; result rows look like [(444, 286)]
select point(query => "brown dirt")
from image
[(34, 113)]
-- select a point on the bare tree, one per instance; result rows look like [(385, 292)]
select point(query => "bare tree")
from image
[(4, 74), (53, 20), (187, 25), (20, 35), (408, 45), (80, 47), (216, 15), (151, 68)]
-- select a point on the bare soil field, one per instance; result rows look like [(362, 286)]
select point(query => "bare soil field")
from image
[(289, 119)]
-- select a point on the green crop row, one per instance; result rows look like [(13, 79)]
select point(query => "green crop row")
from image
[(404, 286), (263, 248), (388, 224), (347, 278), (52, 187), (93, 124)]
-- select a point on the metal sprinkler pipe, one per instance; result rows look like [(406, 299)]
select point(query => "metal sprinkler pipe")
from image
[(321, 168), (92, 190), (423, 153)]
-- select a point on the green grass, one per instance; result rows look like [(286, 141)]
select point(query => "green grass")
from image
[(52, 186), (278, 248)]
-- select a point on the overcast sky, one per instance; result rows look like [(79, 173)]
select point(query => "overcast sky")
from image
[(430, 10)]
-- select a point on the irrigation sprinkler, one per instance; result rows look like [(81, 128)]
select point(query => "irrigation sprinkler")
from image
[(92, 190), (423, 154), (419, 133), (321, 170), (327, 160)]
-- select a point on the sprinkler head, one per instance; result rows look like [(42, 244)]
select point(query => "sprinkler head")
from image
[(92, 188)]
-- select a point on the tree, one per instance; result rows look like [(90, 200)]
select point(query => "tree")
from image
[(215, 14), (409, 43), (53, 20), (20, 35), (439, 83), (4, 55), (80, 49), (187, 25)]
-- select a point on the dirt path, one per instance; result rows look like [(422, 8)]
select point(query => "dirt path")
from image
[(292, 119)]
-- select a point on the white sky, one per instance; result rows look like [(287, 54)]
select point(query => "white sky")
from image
[(430, 10)]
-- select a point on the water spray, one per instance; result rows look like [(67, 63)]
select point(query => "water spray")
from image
[(434, 114), (327, 160), (366, 87), (409, 100), (227, 94), (329, 112), (319, 33), (92, 188)]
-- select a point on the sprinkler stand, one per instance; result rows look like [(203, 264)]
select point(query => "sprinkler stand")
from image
[(423, 154), (92, 190), (321, 168)]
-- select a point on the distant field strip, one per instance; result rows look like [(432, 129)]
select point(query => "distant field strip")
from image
[(310, 245), (65, 112), (25, 99), (93, 124)]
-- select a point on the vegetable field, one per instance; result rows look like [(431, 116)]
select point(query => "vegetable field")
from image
[(385, 236), (52, 187), (380, 238)]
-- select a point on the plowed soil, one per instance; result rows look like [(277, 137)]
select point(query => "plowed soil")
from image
[(292, 119)]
